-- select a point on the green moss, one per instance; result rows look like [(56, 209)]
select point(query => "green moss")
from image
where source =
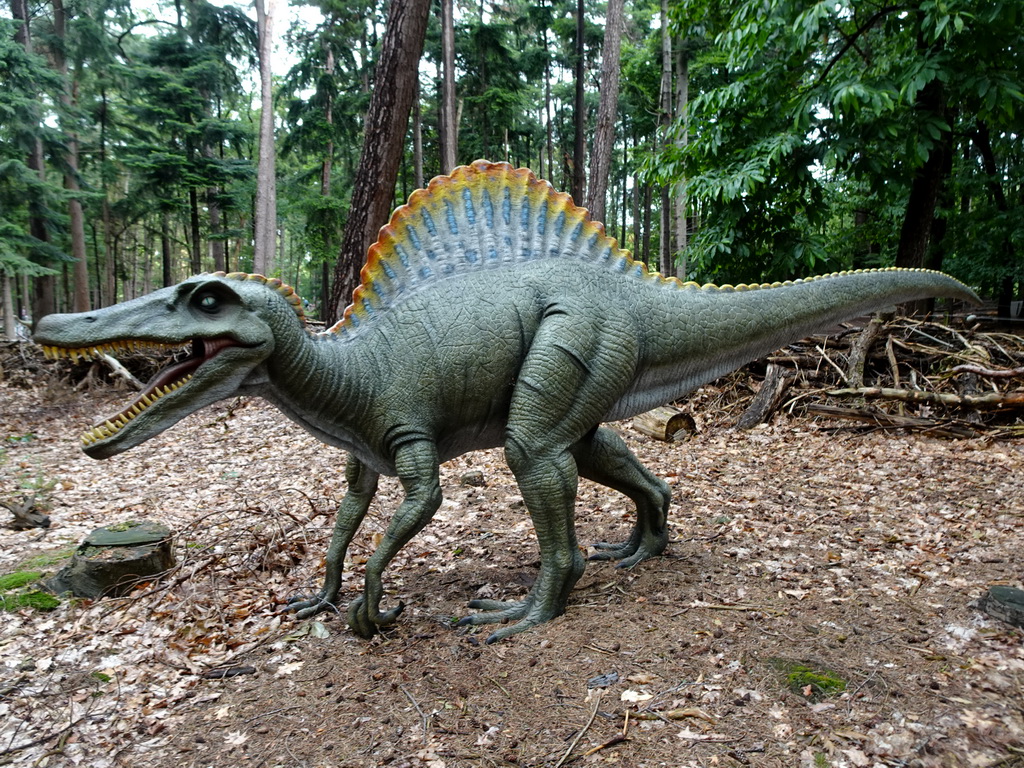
[(127, 525), (14, 596), (48, 559), (37, 599), (816, 683), (17, 580)]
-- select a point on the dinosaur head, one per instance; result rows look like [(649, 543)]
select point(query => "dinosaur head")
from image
[(227, 322)]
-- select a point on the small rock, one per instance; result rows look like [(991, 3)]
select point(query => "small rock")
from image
[(474, 477), (603, 681)]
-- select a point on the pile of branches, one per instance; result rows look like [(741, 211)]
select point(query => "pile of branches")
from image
[(954, 381)]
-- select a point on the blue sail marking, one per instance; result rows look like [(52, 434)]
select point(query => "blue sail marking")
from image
[(470, 210), (449, 212), (428, 220), (488, 209)]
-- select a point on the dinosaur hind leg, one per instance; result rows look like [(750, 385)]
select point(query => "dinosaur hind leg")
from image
[(605, 459), (572, 374)]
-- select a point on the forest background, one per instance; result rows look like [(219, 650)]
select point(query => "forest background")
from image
[(729, 141)]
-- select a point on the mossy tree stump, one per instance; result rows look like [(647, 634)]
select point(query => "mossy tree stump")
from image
[(114, 559)]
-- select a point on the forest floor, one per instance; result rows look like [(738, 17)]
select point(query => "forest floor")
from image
[(814, 607)]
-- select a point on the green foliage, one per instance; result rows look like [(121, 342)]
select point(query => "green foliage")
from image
[(815, 100), (808, 126), (23, 193)]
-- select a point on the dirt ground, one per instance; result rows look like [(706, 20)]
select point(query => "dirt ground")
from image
[(814, 607)]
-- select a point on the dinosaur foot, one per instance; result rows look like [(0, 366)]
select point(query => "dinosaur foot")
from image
[(367, 623), (526, 614), (307, 607), (632, 552)]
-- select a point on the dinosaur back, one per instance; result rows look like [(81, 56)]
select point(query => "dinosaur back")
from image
[(483, 216)]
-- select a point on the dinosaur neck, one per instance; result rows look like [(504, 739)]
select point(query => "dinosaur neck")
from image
[(312, 381)]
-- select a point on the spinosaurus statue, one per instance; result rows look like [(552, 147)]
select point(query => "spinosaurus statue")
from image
[(492, 312)]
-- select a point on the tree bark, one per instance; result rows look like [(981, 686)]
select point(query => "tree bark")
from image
[(266, 184), (80, 292), (604, 133), (386, 123), (449, 136), (43, 299), (166, 276), (10, 328), (579, 177), (915, 233), (682, 109), (666, 265), (983, 143)]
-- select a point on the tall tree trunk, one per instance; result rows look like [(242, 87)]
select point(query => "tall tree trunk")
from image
[(981, 139), (549, 132), (44, 298), (682, 110), (924, 193), (266, 183), (666, 264), (448, 130), (579, 176), (218, 246), (10, 328), (197, 236), (386, 122), (166, 275), (417, 141), (76, 220), (326, 166), (604, 133)]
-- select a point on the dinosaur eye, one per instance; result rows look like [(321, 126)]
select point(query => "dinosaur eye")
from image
[(209, 303)]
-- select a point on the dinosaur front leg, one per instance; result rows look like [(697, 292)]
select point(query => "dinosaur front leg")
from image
[(362, 485), (605, 459), (417, 466)]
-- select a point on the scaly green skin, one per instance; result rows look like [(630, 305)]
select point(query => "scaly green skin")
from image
[(530, 356)]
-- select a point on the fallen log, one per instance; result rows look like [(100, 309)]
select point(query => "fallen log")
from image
[(665, 423), (881, 419), (989, 400), (776, 381)]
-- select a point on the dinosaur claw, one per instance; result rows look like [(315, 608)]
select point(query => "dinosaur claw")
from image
[(366, 625), (307, 607)]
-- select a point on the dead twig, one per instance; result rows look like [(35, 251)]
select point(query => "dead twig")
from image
[(988, 372), (424, 719), (590, 722)]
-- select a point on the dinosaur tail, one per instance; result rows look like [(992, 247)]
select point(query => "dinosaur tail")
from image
[(716, 330)]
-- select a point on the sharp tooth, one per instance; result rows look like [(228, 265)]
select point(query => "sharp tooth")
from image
[(147, 401), (135, 409)]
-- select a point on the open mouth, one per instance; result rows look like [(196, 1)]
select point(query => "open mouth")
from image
[(168, 380)]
